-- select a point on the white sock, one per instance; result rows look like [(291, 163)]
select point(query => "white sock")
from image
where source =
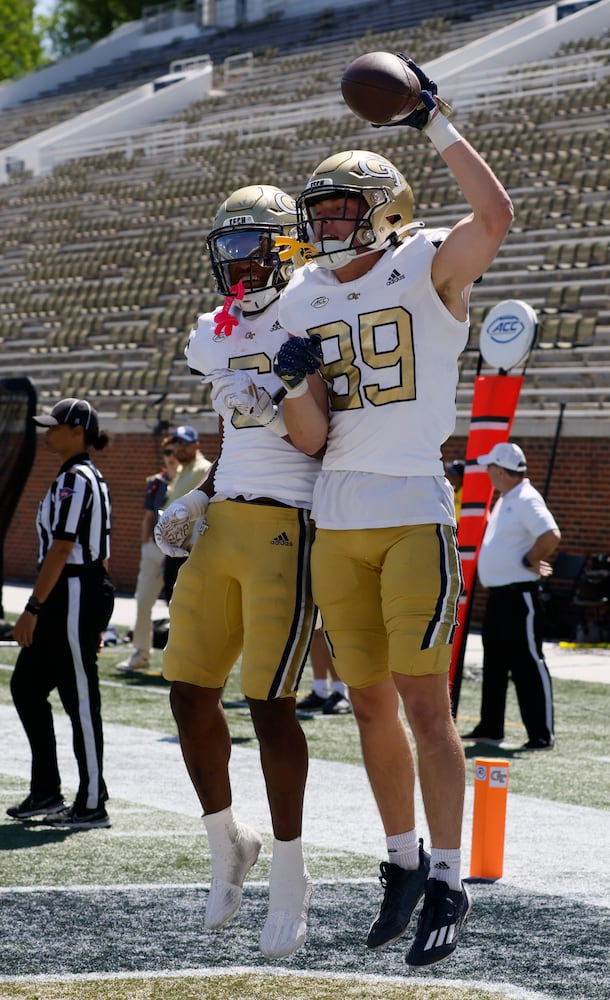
[(445, 866), (341, 688), (403, 849), (220, 826), (287, 858), (321, 688)]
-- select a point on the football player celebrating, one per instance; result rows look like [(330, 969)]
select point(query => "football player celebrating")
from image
[(245, 589), (385, 309)]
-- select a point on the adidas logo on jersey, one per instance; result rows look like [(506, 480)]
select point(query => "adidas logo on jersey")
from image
[(281, 539), (276, 326), (394, 277)]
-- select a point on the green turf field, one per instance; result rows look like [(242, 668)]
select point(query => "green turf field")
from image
[(113, 914)]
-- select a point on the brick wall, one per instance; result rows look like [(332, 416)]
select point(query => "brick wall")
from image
[(125, 464), (579, 497)]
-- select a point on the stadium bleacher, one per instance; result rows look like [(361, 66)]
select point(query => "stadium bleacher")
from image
[(104, 269)]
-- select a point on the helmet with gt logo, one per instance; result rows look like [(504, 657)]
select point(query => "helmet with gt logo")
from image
[(245, 244), (375, 197)]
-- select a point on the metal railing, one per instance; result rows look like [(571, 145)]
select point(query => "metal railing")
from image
[(171, 141)]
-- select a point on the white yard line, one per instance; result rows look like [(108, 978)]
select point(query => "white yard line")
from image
[(502, 989), (548, 844)]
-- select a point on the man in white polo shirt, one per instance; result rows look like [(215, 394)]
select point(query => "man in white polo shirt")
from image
[(521, 536)]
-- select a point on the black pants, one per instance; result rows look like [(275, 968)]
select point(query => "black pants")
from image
[(171, 568), (512, 647), (63, 655)]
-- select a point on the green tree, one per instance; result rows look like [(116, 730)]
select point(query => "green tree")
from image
[(20, 39), (75, 24)]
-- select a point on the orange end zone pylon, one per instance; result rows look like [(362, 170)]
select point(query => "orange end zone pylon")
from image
[(489, 818)]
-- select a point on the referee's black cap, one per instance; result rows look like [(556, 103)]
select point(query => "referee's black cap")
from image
[(75, 412)]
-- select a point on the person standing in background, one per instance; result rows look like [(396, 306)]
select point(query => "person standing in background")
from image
[(59, 630), (193, 468), (520, 538), (152, 561)]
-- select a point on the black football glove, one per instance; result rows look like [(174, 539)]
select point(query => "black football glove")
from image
[(297, 358), (429, 101)]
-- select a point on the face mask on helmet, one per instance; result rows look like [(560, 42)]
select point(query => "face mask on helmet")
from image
[(246, 242), (364, 189), (251, 256), (343, 205)]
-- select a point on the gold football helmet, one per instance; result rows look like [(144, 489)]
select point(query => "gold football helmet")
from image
[(245, 244), (376, 197)]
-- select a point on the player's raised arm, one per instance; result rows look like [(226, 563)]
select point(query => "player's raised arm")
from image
[(473, 243)]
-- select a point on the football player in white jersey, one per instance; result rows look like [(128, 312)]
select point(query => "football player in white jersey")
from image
[(245, 588), (385, 312)]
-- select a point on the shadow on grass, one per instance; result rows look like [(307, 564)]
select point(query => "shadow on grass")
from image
[(18, 836), (135, 679), (485, 750)]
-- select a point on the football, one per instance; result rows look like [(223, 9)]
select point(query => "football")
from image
[(379, 87)]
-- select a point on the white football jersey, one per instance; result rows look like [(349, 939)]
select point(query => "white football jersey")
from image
[(253, 461), (390, 357)]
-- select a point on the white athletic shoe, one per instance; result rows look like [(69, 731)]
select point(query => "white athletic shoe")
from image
[(139, 660), (229, 869), (286, 926)]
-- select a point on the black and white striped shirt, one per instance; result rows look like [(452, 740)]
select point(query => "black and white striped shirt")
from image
[(77, 509)]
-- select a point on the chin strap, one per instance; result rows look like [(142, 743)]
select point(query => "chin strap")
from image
[(224, 321), (291, 247), (310, 252)]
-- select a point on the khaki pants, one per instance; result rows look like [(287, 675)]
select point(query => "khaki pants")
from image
[(148, 588)]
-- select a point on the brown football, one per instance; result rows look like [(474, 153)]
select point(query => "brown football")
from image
[(380, 87)]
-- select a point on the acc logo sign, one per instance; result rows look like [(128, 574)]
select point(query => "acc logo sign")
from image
[(508, 333), (506, 328)]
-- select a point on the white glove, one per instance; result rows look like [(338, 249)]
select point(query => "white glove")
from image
[(220, 381), (235, 390), (175, 525), (231, 390)]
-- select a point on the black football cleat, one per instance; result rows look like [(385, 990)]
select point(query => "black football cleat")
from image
[(403, 890), (440, 923)]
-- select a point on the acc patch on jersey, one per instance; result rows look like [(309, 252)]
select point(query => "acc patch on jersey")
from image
[(507, 334), (65, 493)]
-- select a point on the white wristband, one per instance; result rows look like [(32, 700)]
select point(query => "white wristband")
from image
[(277, 425), (299, 390), (441, 133)]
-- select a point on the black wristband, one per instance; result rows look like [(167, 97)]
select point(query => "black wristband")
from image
[(525, 562), (33, 605)]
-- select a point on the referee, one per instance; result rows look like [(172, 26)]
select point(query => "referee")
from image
[(521, 536), (59, 630)]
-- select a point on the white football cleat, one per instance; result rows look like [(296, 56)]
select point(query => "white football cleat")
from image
[(286, 926), (229, 869), (139, 660)]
